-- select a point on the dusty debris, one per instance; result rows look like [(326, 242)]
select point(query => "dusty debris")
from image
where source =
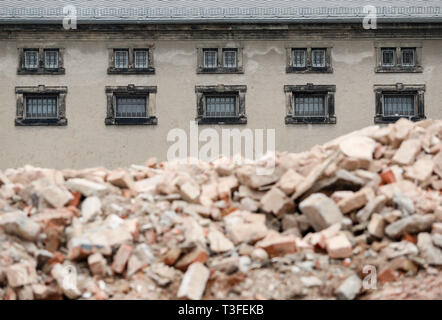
[(161, 230)]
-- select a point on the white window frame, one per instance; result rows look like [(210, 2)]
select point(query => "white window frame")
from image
[(322, 65), (383, 50)]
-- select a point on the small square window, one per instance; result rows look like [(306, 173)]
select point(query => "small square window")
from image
[(309, 105), (388, 57), (229, 57), (41, 107), (314, 104), (408, 57), (51, 59), (31, 59), (318, 58), (129, 107), (121, 59), (141, 59), (210, 58), (299, 58), (220, 106)]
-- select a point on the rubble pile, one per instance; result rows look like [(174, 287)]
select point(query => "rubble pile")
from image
[(345, 220)]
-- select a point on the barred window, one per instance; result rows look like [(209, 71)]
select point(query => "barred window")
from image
[(121, 59), (41, 107), (299, 58), (31, 59), (141, 59), (131, 107), (51, 59), (229, 57), (318, 58), (399, 105), (309, 105), (388, 57), (221, 106), (408, 57), (210, 58)]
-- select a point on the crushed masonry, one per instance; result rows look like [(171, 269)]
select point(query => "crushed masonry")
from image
[(194, 230)]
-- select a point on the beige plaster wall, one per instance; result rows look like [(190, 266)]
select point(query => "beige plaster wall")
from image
[(86, 141)]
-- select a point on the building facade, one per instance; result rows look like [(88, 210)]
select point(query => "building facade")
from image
[(109, 91)]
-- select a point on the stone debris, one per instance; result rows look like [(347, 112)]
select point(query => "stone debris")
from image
[(224, 230)]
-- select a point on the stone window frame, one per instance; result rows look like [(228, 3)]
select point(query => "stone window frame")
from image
[(398, 46), (41, 69), (22, 92), (238, 90), (327, 90), (418, 90), (220, 47), (131, 69), (131, 89), (309, 46)]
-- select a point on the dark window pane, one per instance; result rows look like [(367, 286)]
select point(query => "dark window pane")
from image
[(210, 58), (307, 105), (318, 58), (399, 105), (221, 106), (299, 57), (229, 58), (121, 59), (141, 59), (51, 59), (31, 59), (388, 57), (131, 107), (408, 57), (43, 107)]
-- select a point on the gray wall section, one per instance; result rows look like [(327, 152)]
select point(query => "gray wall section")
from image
[(86, 141)]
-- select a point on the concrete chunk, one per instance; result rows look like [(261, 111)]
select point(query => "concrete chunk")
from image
[(321, 211), (407, 152), (194, 282), (350, 288)]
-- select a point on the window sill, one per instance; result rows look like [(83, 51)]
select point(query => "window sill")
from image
[(309, 70), (131, 71), (310, 120), (41, 71), (227, 120), (219, 70), (41, 122), (133, 121), (399, 70), (391, 119)]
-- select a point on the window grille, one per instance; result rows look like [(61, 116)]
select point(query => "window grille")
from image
[(210, 58), (229, 58), (299, 58), (31, 59), (388, 57), (121, 59), (309, 105), (318, 58), (41, 107), (51, 59), (221, 106), (131, 107), (408, 57), (399, 105), (141, 59)]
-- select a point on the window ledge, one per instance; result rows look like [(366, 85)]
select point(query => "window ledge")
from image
[(391, 119), (41, 122), (309, 70), (399, 70), (41, 71), (227, 120), (133, 121), (310, 120), (220, 70), (131, 71)]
